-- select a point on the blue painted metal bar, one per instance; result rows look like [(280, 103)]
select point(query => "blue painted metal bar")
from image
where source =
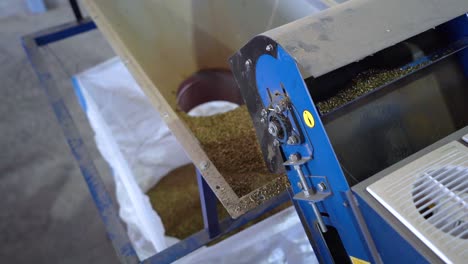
[(62, 32), (202, 238), (106, 206), (209, 206)]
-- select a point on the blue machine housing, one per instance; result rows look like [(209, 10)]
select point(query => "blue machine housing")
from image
[(269, 77)]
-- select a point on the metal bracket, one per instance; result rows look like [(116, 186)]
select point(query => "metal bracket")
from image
[(316, 197), (296, 162)]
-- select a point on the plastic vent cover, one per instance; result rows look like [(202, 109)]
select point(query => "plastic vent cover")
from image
[(440, 197), (430, 197)]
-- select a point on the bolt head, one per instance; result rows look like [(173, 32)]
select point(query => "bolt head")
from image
[(273, 129), (292, 140), (276, 143), (269, 47), (295, 157), (204, 165), (322, 187), (248, 63)]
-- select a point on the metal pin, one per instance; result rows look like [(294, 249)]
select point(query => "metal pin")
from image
[(305, 186), (322, 225)]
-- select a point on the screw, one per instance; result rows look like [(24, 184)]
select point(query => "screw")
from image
[(204, 165), (292, 140), (273, 129), (295, 157), (322, 187), (248, 63), (269, 47), (275, 142)]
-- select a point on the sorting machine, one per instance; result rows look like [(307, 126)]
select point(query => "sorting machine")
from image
[(365, 107)]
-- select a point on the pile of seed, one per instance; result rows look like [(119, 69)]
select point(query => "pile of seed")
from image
[(176, 199), (362, 84), (230, 142)]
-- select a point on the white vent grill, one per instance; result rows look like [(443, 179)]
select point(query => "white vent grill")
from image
[(430, 196), (440, 197)]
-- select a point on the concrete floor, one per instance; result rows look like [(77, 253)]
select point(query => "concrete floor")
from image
[(46, 211)]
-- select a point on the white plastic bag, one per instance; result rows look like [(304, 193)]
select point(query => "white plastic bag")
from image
[(135, 142), (277, 239)]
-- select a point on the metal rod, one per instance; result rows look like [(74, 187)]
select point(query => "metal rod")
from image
[(76, 10), (305, 186), (322, 225)]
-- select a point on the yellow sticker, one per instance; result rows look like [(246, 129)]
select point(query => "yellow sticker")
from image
[(308, 118), (358, 261)]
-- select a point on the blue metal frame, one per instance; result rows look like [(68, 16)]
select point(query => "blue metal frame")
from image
[(106, 206), (209, 207)]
